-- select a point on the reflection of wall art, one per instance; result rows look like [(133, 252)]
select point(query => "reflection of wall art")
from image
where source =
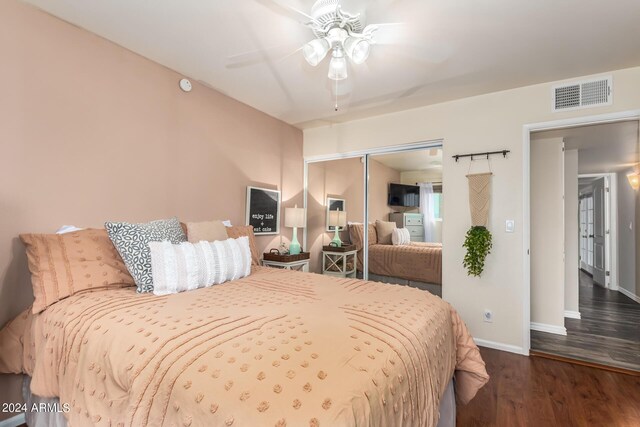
[(263, 210), (332, 205)]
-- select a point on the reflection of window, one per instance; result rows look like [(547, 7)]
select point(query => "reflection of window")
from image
[(436, 199)]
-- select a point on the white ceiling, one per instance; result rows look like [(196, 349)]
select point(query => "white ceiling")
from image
[(409, 161), (494, 45), (604, 148)]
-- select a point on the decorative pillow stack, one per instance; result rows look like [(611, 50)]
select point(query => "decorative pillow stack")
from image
[(132, 242), (400, 236), (188, 266)]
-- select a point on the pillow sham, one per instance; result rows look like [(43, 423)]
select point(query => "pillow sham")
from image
[(400, 236), (236, 231), (12, 343), (62, 265), (356, 234), (132, 243), (384, 230), (208, 231), (187, 266)]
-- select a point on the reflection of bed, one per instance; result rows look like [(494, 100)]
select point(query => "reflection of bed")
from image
[(275, 348), (419, 262)]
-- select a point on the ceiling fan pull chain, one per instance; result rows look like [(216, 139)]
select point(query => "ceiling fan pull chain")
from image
[(336, 95)]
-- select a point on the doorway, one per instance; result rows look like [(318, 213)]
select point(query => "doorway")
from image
[(584, 210)]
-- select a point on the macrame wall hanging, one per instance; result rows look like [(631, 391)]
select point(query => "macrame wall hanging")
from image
[(478, 241)]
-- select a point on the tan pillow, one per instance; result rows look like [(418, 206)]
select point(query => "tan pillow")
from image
[(385, 231), (62, 265), (357, 236), (209, 231), (12, 343), (245, 230)]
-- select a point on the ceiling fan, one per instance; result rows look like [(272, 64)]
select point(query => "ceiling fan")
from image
[(339, 33)]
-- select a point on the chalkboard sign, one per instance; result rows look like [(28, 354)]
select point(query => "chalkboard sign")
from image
[(263, 210)]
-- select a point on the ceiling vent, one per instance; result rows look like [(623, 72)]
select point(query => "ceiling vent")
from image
[(583, 94)]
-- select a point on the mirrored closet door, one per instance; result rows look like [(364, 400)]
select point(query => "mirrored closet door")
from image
[(405, 214)]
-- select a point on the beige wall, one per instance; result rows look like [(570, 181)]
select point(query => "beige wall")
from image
[(487, 122), (627, 259), (379, 178), (547, 232), (341, 179), (91, 132), (571, 231)]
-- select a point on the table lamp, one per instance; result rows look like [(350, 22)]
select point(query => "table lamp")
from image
[(337, 219), (294, 217)]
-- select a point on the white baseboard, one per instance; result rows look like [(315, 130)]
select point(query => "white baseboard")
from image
[(499, 346), (552, 329), (572, 314), (14, 421), (630, 294)]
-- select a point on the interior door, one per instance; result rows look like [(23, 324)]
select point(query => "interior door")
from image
[(583, 233), (599, 230)]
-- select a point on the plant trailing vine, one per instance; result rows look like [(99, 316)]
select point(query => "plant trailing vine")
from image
[(478, 244)]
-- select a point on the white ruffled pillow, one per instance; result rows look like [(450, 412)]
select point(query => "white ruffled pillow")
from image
[(400, 236), (187, 266)]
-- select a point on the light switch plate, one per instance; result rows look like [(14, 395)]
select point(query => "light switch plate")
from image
[(510, 226)]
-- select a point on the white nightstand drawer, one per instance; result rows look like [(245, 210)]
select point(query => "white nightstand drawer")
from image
[(413, 219), (417, 231)]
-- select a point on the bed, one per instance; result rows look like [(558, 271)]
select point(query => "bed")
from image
[(276, 348), (416, 262)]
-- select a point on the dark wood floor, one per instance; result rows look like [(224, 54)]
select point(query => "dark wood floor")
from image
[(608, 333), (538, 392)]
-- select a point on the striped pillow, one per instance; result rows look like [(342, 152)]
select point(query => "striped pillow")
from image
[(187, 266)]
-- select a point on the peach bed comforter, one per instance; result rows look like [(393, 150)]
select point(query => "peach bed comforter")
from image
[(416, 261), (277, 348)]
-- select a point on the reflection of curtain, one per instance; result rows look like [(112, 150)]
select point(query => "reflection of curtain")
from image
[(427, 209)]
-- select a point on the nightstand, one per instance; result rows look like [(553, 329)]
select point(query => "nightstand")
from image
[(339, 262), (298, 262)]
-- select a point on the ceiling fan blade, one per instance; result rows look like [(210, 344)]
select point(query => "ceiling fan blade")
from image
[(275, 53), (284, 9), (389, 33)]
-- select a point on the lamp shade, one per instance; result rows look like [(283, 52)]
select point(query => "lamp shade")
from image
[(315, 51), (338, 66), (294, 217), (337, 218), (357, 49), (634, 180)]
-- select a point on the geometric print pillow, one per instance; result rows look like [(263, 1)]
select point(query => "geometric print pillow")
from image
[(132, 243)]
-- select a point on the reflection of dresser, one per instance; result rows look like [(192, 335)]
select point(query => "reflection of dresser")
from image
[(413, 222)]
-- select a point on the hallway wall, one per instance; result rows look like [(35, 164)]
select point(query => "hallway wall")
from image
[(626, 237), (571, 232), (547, 235)]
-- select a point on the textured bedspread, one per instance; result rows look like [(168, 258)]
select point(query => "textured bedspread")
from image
[(277, 348), (417, 261)]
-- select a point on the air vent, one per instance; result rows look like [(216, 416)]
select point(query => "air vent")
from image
[(583, 94)]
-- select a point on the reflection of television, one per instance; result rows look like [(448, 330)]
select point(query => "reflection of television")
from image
[(404, 195)]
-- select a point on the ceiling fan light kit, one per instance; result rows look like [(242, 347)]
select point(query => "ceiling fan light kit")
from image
[(342, 34)]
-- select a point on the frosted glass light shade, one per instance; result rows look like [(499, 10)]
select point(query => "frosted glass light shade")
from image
[(338, 68), (294, 217), (337, 218), (315, 51), (358, 50)]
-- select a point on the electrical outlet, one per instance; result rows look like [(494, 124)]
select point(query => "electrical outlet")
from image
[(487, 316)]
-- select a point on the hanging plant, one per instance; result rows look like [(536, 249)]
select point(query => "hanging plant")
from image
[(478, 244)]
